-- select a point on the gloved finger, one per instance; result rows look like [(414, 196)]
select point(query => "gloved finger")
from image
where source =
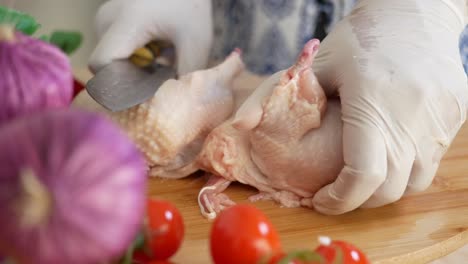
[(425, 166), (364, 171), (329, 62), (431, 149), (106, 15), (421, 176), (249, 115), (400, 162)]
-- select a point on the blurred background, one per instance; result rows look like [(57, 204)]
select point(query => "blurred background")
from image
[(64, 15), (79, 15)]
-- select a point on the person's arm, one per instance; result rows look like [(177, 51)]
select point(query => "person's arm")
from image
[(397, 68), (125, 25)]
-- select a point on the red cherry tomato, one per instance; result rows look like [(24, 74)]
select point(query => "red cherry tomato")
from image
[(139, 257), (164, 229), (242, 234), (160, 262), (77, 87), (350, 253)]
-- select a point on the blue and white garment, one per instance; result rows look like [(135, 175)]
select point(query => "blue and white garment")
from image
[(285, 24), (464, 48)]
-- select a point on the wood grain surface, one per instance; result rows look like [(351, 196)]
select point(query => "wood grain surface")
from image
[(417, 229)]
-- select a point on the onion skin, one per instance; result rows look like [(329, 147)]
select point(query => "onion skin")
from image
[(96, 179), (34, 76)]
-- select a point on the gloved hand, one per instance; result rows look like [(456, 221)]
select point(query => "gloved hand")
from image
[(397, 69), (125, 25)]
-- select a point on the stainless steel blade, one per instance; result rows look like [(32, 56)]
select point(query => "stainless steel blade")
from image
[(121, 85)]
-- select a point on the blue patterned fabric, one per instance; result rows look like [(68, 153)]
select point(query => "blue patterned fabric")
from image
[(278, 9), (464, 48), (271, 33), (233, 20)]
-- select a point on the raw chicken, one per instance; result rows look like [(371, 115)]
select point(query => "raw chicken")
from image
[(171, 127), (285, 140), (282, 138)]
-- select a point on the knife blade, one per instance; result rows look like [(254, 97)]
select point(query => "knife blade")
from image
[(122, 85), (125, 83)]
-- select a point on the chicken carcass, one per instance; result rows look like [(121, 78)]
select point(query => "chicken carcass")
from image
[(285, 140), (170, 127)]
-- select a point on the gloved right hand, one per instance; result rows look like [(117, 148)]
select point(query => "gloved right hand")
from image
[(125, 25), (397, 69)]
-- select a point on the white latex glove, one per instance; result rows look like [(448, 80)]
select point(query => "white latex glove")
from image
[(125, 25), (397, 69)]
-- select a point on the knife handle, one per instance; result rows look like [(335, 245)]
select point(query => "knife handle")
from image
[(146, 55)]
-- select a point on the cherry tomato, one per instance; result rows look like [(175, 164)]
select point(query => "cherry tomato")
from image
[(350, 253), (242, 234), (139, 257), (164, 229)]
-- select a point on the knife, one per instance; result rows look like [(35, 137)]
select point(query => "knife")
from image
[(125, 83)]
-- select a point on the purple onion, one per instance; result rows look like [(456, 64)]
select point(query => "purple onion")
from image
[(34, 75), (72, 188)]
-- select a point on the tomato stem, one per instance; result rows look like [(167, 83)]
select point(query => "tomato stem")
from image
[(7, 33), (35, 203), (303, 255), (137, 243)]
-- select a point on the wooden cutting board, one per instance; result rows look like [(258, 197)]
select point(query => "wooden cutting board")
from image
[(417, 229)]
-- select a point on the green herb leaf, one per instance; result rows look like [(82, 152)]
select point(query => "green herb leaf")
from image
[(303, 255), (140, 241), (44, 38), (67, 41), (21, 21)]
